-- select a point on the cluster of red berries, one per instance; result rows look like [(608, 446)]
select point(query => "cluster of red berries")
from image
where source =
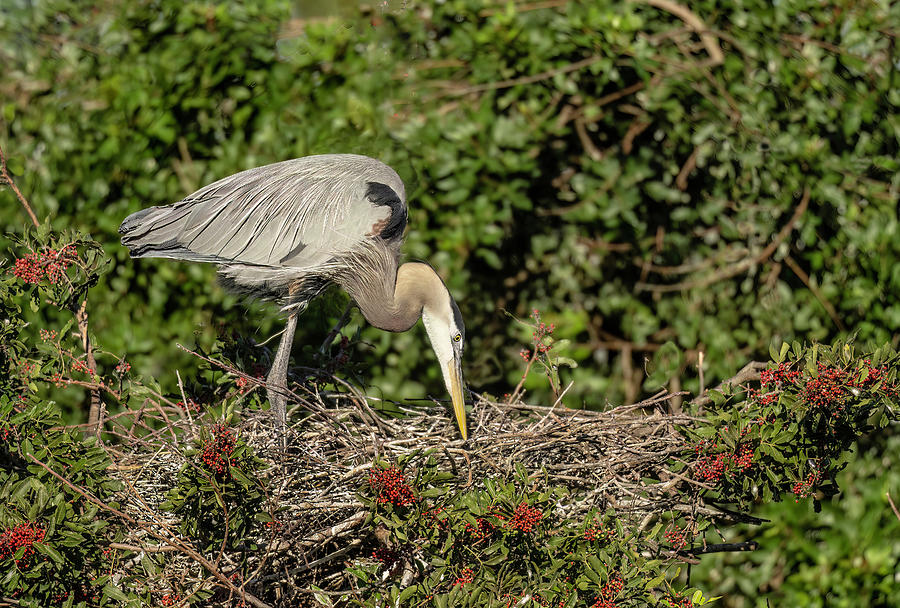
[(608, 593), (877, 376), (170, 599), (84, 591), (434, 519), (712, 468), (48, 335), (50, 264), (80, 366), (465, 577), (58, 381), (25, 368), (274, 525), (673, 601), (244, 383), (772, 381), (123, 368), (677, 537), (23, 535), (386, 556), (481, 530), (593, 533), (828, 390), (191, 405), (804, 487), (524, 518), (391, 487), (780, 376), (218, 448)]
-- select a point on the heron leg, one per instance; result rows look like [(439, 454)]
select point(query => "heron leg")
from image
[(276, 382)]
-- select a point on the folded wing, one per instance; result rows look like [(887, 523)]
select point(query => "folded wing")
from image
[(296, 214)]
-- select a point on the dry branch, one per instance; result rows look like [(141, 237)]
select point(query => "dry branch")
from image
[(7, 178), (696, 24)]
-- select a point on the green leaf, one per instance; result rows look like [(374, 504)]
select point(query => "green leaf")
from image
[(114, 593), (49, 552)]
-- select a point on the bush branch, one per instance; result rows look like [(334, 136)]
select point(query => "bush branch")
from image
[(4, 174)]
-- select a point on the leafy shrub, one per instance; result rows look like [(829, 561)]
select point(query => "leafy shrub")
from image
[(588, 160), (219, 498), (505, 544), (53, 538), (796, 431), (841, 556)]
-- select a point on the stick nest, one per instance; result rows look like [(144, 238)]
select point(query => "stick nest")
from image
[(620, 459)]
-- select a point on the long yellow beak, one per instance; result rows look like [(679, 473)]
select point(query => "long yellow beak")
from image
[(454, 373)]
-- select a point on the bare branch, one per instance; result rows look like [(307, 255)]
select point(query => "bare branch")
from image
[(893, 506), (4, 174), (696, 24)]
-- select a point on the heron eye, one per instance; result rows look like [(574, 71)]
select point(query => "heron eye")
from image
[(457, 338)]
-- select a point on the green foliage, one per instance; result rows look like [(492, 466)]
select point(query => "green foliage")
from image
[(67, 565), (794, 433), (59, 267), (499, 544), (503, 541), (585, 160), (219, 497), (491, 544), (843, 556)]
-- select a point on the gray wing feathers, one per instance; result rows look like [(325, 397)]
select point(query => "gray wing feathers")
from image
[(298, 213)]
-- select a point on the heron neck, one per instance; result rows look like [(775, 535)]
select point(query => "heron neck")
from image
[(397, 307)]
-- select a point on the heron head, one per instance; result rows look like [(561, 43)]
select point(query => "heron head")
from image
[(447, 334)]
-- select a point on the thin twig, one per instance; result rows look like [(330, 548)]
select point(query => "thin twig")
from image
[(4, 174), (750, 545), (829, 308), (695, 23), (505, 84), (893, 506), (748, 372)]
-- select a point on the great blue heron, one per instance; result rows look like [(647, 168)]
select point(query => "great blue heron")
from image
[(285, 231)]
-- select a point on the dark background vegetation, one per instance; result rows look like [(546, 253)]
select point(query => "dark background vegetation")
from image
[(589, 159)]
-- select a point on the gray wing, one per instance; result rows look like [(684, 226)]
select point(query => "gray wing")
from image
[(299, 213)]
